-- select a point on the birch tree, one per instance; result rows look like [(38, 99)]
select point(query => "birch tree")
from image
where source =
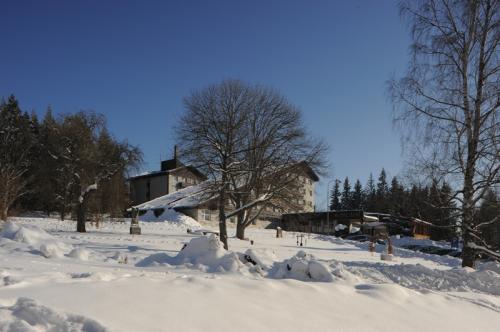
[(448, 102)]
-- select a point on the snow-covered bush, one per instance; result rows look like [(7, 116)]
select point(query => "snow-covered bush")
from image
[(36, 238), (205, 253), (28, 315), (306, 267)]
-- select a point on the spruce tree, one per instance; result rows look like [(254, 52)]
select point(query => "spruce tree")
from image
[(382, 191), (346, 200), (357, 196), (335, 196), (370, 194), (489, 214)]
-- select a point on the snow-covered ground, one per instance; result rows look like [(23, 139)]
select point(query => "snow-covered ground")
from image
[(54, 278)]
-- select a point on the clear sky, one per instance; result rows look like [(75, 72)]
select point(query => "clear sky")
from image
[(134, 61)]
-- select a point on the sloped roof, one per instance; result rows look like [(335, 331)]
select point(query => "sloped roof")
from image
[(185, 198), (192, 169)]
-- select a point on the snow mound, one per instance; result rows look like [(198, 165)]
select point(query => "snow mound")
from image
[(29, 234), (172, 217), (205, 253), (306, 267), (35, 238), (489, 266), (53, 249), (261, 257), (419, 277), (28, 315), (80, 254)]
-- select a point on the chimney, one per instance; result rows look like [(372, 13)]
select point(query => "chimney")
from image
[(176, 156)]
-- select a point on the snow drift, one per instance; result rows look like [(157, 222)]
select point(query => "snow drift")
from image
[(306, 267), (35, 238), (28, 315), (205, 253), (172, 217)]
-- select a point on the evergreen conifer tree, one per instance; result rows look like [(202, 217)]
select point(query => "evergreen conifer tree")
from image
[(346, 201), (335, 196)]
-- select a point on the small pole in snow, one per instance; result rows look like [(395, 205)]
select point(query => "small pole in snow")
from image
[(371, 247)]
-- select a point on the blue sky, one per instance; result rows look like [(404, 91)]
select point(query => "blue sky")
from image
[(134, 61)]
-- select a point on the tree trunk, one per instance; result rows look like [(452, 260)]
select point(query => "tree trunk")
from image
[(468, 254), (4, 213), (222, 217), (81, 216), (223, 228), (240, 231)]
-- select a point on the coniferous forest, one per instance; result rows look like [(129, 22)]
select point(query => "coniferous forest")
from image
[(61, 164), (432, 202)]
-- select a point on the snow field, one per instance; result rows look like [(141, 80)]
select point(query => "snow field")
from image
[(147, 283)]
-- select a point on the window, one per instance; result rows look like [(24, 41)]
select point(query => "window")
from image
[(310, 193), (206, 215)]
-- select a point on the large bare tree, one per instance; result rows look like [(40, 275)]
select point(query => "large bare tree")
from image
[(251, 143), (211, 134), (448, 102), (278, 153)]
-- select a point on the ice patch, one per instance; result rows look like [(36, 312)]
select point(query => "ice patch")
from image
[(28, 315)]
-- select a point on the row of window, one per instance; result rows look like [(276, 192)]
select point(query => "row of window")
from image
[(303, 191), (304, 179)]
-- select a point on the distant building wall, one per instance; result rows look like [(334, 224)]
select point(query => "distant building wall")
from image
[(182, 178)]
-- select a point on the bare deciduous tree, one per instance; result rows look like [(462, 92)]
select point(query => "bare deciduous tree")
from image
[(211, 134), (251, 143), (449, 101), (277, 153)]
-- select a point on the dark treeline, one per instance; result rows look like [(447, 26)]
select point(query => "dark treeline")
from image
[(67, 163), (432, 202)]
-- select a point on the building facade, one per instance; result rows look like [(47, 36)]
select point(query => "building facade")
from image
[(172, 177), (196, 202)]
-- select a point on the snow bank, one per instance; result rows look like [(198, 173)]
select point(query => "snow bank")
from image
[(264, 258), (205, 253), (172, 217), (36, 238), (29, 234), (419, 277), (306, 267), (80, 254), (28, 315)]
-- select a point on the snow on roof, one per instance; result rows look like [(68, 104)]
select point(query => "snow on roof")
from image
[(191, 196), (369, 218)]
